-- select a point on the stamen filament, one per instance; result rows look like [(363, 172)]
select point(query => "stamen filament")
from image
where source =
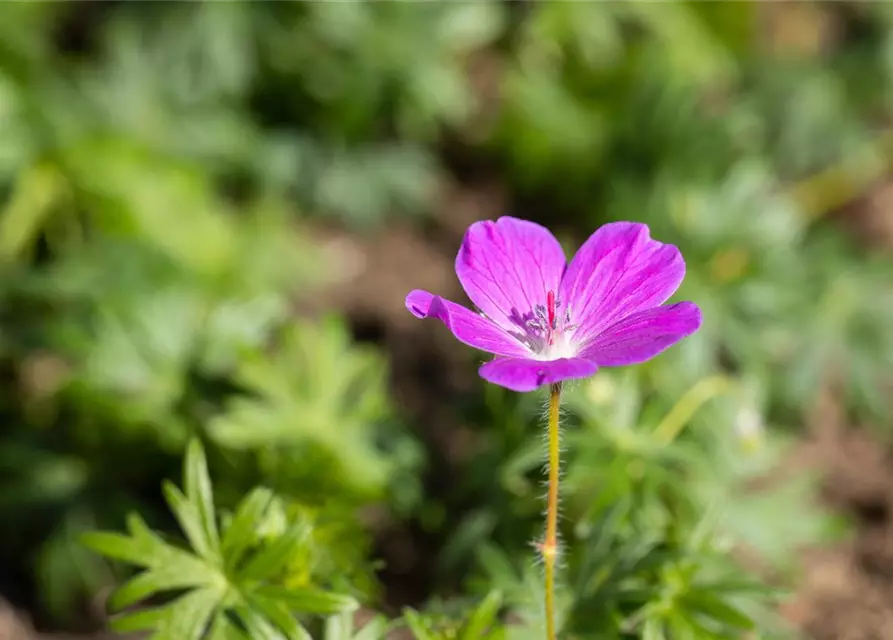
[(550, 308)]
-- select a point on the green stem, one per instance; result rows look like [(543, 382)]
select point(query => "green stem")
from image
[(550, 544)]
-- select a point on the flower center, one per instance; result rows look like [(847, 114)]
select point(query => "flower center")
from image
[(548, 332)]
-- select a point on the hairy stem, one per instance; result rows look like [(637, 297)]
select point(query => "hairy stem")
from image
[(550, 544)]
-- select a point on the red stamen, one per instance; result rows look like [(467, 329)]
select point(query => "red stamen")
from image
[(550, 313)]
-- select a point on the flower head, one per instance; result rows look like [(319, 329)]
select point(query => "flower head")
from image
[(548, 321)]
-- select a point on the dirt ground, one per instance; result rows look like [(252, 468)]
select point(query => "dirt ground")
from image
[(14, 625), (846, 590)]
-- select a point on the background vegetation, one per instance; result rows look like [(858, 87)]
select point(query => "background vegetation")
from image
[(176, 179)]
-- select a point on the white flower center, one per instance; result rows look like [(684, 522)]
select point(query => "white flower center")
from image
[(549, 334), (562, 347)]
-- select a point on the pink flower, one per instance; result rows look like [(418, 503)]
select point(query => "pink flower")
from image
[(548, 321)]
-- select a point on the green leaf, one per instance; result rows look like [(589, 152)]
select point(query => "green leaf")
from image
[(320, 398), (338, 627), (416, 624), (679, 627), (308, 599), (200, 494), (117, 546), (278, 613), (740, 586), (652, 630), (222, 628), (188, 617), (138, 549), (464, 27), (717, 609), (273, 559), (483, 617), (267, 610), (37, 189), (142, 548), (144, 620), (375, 629), (241, 532), (170, 574), (190, 520), (259, 628), (341, 627)]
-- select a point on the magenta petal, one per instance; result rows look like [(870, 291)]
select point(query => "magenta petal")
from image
[(466, 325), (519, 374), (507, 267), (643, 335), (618, 271)]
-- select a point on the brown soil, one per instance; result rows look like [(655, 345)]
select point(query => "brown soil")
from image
[(868, 218), (846, 589), (14, 625), (426, 368)]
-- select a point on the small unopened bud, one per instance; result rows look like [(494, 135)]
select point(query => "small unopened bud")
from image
[(749, 427), (600, 389)]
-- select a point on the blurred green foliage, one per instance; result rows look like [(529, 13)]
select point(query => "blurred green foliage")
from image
[(163, 168)]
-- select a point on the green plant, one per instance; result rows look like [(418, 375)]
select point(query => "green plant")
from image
[(166, 171), (235, 581)]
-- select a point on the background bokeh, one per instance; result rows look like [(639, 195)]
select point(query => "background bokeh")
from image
[(210, 214)]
